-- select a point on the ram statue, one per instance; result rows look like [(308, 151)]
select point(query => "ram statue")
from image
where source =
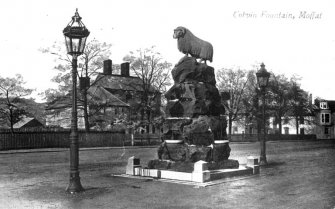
[(190, 44)]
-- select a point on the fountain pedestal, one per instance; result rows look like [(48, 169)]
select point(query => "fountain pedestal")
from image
[(195, 127)]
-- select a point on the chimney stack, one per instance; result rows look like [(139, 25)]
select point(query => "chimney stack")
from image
[(107, 67), (310, 99), (125, 69)]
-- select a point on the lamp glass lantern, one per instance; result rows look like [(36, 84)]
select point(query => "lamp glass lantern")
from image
[(262, 77), (75, 34)]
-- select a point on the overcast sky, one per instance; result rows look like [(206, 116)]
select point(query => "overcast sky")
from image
[(290, 37)]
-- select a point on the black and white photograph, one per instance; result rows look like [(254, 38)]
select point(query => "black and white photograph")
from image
[(167, 104)]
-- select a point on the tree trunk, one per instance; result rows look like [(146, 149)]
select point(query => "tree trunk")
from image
[(230, 124), (279, 121), (142, 114), (297, 124), (149, 116), (11, 120), (280, 126)]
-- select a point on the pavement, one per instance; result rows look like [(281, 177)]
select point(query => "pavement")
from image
[(300, 174)]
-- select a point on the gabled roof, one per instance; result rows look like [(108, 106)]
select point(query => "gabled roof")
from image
[(100, 95), (95, 94), (60, 103), (118, 82), (25, 121)]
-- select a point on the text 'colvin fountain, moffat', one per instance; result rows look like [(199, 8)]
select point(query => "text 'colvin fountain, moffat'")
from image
[(195, 127)]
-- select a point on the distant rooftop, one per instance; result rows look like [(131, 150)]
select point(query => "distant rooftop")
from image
[(27, 121), (118, 82), (102, 96), (96, 94)]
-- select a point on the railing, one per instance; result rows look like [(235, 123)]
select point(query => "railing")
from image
[(270, 137), (60, 139), (146, 139)]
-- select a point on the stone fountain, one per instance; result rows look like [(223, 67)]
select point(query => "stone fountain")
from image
[(195, 146), (195, 127)]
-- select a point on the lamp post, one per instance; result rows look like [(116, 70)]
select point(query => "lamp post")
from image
[(75, 38), (262, 80)]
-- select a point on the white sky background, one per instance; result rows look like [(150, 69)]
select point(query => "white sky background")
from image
[(301, 46)]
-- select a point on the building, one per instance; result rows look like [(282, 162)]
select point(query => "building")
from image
[(112, 99), (129, 89), (306, 125), (320, 121), (325, 118), (106, 110), (27, 122)]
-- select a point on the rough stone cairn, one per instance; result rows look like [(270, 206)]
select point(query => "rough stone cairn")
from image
[(195, 126)]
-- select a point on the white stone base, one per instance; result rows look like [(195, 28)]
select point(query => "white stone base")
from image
[(200, 173)]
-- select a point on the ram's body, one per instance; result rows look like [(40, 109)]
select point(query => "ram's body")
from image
[(190, 44)]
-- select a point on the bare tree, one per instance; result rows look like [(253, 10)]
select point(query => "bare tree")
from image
[(234, 81), (279, 97), (299, 103), (11, 89), (148, 65)]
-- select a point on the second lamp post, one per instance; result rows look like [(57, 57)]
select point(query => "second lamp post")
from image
[(262, 80)]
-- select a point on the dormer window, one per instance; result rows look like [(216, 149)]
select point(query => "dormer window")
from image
[(323, 105)]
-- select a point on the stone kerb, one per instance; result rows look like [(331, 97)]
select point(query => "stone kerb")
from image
[(201, 173), (252, 162), (132, 164)]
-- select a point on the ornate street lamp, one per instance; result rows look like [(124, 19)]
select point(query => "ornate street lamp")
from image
[(75, 38), (263, 80)]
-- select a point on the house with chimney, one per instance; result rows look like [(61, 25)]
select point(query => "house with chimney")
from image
[(113, 98), (128, 88)]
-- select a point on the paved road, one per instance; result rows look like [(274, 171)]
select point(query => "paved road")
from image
[(299, 175)]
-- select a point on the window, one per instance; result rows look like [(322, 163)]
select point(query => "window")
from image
[(302, 120), (325, 118), (326, 130), (128, 96), (287, 130), (286, 120), (323, 105)]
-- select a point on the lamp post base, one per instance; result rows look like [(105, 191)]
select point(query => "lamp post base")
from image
[(262, 161), (75, 185)]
